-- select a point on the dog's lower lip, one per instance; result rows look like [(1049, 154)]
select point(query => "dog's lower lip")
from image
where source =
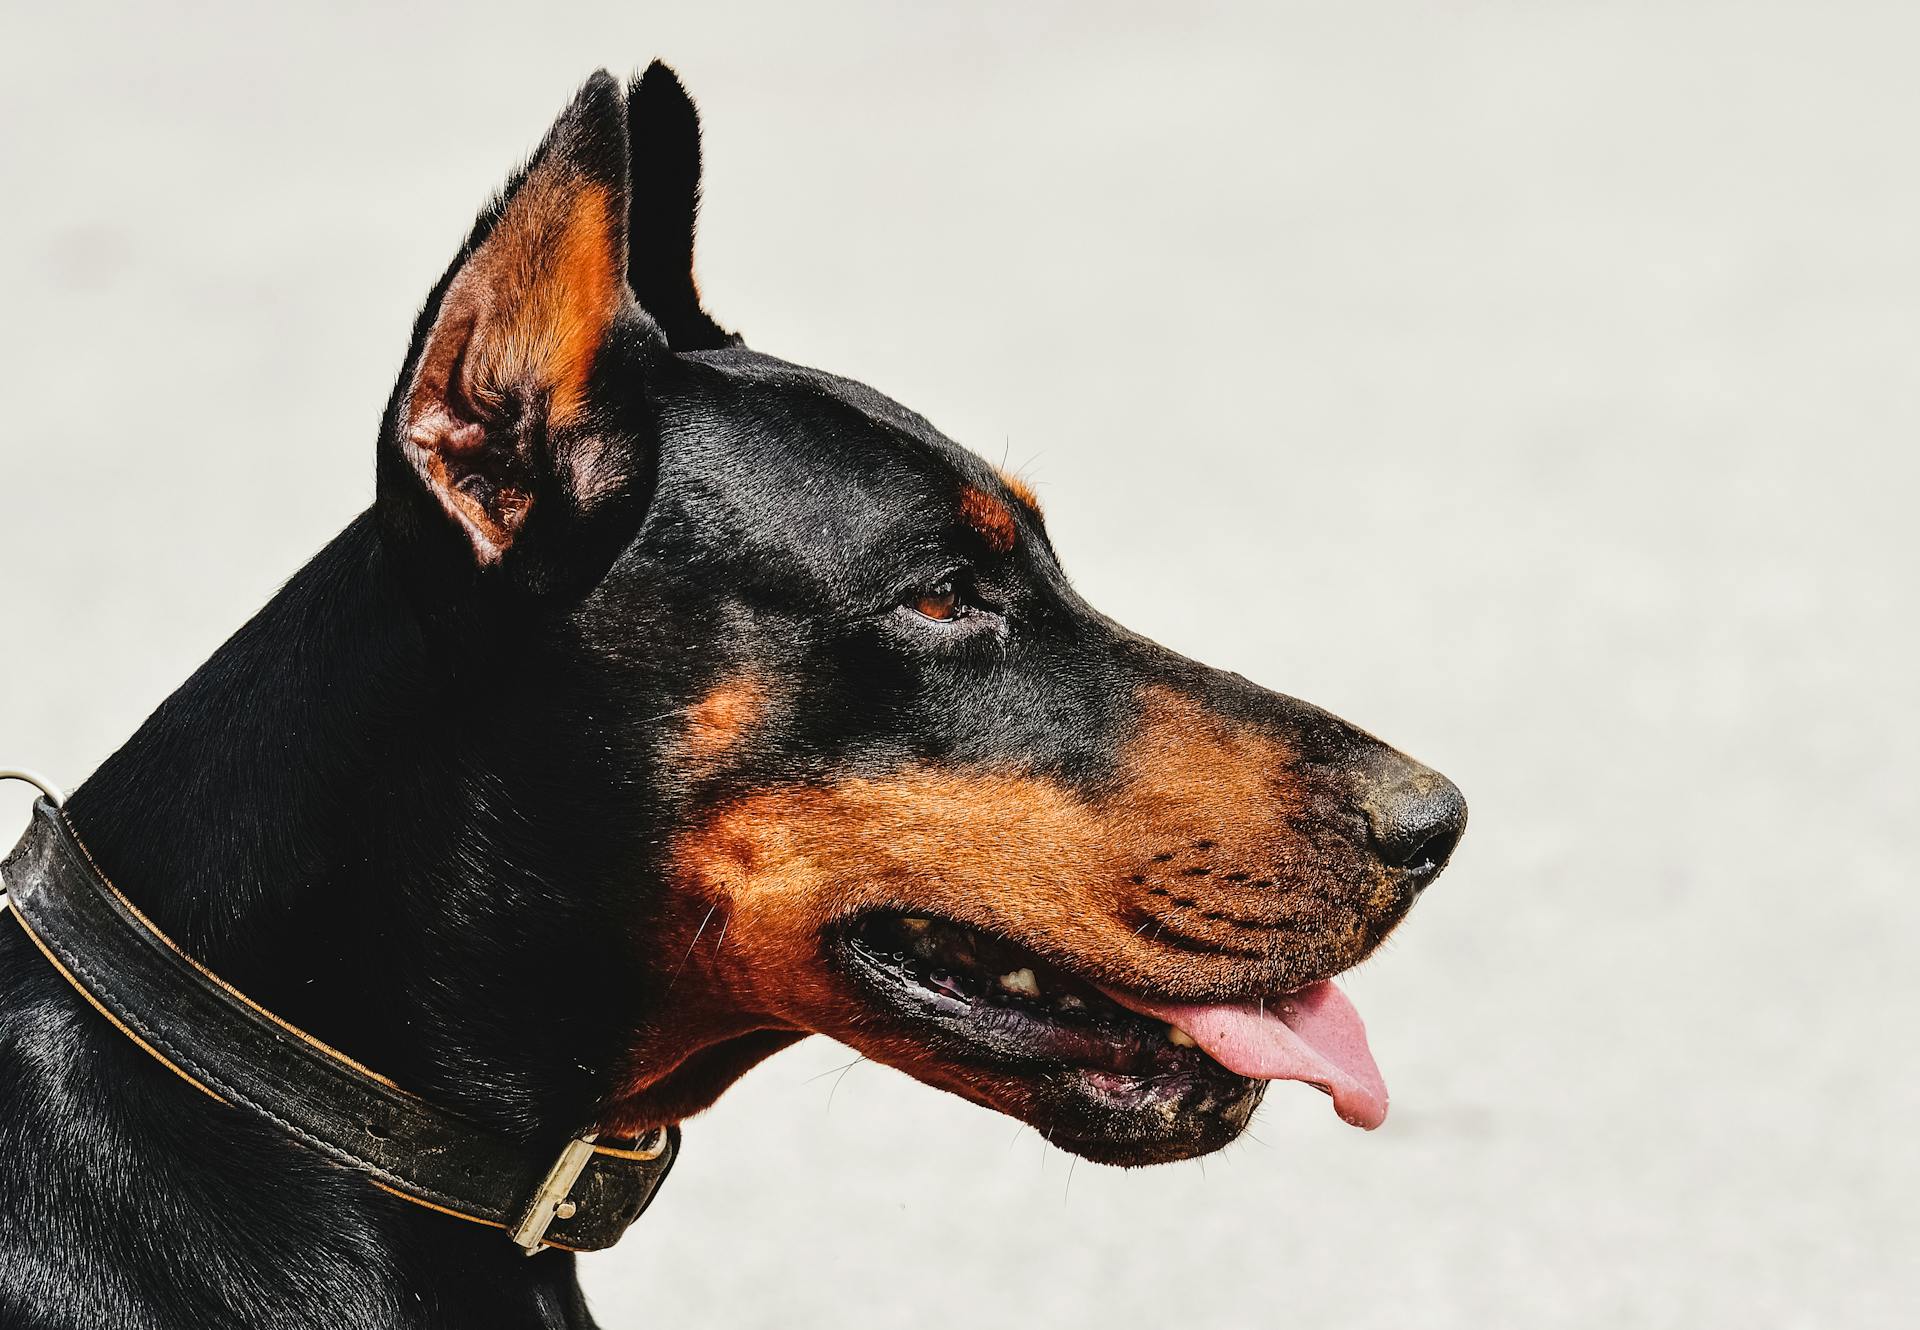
[(1014, 1005), (1033, 1040)]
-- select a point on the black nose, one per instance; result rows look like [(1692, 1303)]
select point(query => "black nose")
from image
[(1415, 814)]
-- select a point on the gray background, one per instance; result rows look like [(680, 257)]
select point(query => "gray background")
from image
[(1531, 383)]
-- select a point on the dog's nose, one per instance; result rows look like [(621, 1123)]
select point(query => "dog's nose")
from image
[(1415, 814)]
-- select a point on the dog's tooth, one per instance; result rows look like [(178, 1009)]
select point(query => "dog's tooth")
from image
[(1068, 1002), (915, 924), (1178, 1036), (1021, 982)]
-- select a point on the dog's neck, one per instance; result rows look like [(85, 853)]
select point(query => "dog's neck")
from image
[(367, 830), (368, 838)]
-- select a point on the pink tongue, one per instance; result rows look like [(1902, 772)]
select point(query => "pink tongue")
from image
[(1313, 1035)]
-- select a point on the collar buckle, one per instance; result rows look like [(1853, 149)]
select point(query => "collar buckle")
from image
[(550, 1200)]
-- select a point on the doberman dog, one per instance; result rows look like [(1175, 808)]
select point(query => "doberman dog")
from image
[(672, 702)]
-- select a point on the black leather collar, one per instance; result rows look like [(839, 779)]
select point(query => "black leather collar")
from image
[(212, 1036)]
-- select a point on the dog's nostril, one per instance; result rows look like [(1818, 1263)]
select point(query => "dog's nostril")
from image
[(1416, 815), (1432, 852)]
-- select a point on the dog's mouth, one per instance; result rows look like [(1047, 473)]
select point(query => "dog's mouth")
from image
[(1115, 1075)]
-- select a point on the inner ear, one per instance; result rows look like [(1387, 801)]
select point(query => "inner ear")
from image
[(664, 131), (496, 420)]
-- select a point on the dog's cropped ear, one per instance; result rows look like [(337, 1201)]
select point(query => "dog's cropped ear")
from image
[(494, 422), (665, 132)]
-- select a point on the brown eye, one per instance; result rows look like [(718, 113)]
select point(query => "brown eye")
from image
[(940, 603)]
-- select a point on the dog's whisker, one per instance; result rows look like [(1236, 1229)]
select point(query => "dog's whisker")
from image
[(841, 1077), (822, 1075), (688, 709), (691, 945)]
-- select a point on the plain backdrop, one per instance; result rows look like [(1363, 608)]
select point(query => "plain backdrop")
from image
[(1533, 384)]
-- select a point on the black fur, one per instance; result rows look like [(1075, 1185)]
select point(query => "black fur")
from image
[(665, 132)]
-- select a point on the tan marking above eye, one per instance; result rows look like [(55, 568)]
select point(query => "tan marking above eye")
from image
[(989, 518)]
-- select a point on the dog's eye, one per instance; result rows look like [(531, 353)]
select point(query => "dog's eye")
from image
[(939, 603)]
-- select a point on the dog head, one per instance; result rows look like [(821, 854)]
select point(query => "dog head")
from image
[(862, 761)]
